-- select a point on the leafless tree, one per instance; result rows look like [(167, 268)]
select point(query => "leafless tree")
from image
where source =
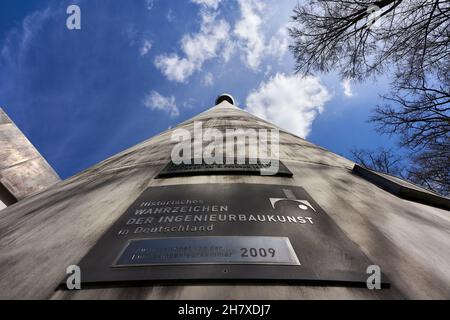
[(382, 160), (408, 38), (430, 168), (419, 114), (363, 37), (425, 170)]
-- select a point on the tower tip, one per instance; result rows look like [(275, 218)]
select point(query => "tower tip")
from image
[(225, 97)]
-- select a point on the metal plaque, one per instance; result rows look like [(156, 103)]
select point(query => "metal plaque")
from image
[(225, 232), (248, 167), (208, 250)]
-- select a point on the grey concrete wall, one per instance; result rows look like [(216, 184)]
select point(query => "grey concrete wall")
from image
[(43, 234), (23, 171)]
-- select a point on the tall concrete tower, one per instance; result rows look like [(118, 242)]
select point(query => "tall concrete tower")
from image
[(23, 170), (319, 227)]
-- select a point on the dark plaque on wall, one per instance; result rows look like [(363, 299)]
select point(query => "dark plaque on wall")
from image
[(247, 167), (225, 232)]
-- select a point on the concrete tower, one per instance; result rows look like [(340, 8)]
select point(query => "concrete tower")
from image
[(317, 229), (23, 170)]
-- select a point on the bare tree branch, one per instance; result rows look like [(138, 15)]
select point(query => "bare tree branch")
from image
[(411, 40), (382, 160)]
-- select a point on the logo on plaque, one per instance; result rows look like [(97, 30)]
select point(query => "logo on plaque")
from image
[(303, 204)]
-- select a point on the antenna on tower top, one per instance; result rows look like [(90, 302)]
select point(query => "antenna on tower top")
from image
[(225, 97)]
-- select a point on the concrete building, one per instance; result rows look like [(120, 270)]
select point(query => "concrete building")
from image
[(399, 227), (23, 170)]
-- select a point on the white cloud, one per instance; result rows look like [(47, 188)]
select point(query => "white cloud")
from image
[(156, 101), (217, 39), (279, 43), (228, 50), (17, 41), (208, 79), (145, 48), (249, 33), (347, 86), (174, 68), (289, 101), (170, 16), (208, 3), (149, 4), (197, 48)]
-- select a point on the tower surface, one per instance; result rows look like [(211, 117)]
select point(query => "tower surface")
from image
[(70, 223)]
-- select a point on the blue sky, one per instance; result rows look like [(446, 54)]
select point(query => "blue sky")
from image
[(138, 67)]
